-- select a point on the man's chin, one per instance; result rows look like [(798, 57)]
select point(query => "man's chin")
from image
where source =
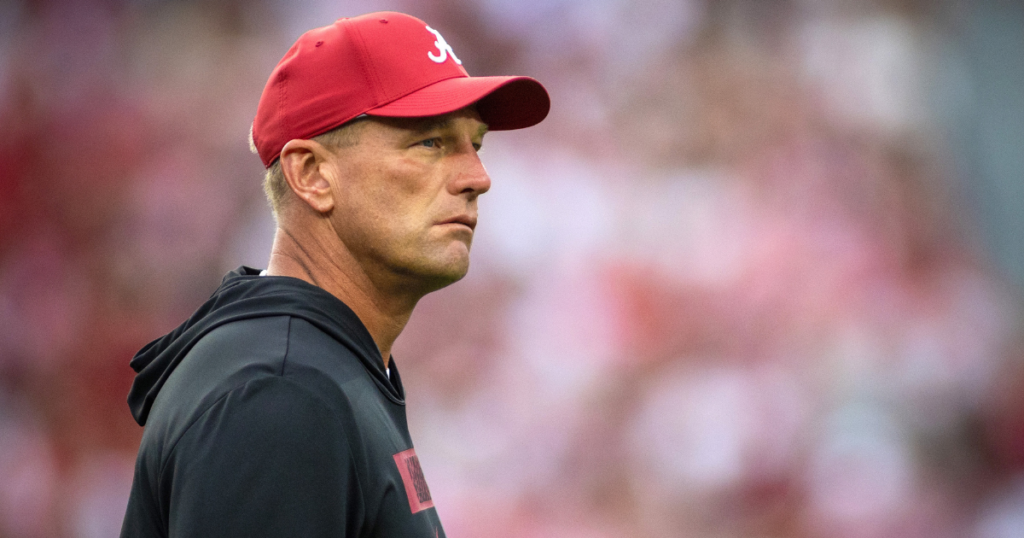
[(450, 274), (437, 273)]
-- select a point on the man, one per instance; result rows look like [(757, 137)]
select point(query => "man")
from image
[(276, 409)]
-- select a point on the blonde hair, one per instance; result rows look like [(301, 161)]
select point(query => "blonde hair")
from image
[(275, 186)]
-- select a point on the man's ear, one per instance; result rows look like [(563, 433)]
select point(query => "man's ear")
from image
[(303, 165)]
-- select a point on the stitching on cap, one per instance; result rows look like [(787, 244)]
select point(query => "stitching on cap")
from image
[(378, 88), (282, 99), (414, 90)]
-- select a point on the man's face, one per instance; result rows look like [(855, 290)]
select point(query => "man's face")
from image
[(407, 197)]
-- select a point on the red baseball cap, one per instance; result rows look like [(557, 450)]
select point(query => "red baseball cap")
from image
[(381, 64)]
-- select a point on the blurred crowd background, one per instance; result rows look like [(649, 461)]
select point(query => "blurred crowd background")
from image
[(757, 275)]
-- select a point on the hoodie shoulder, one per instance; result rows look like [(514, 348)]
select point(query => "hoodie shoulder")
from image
[(227, 357), (244, 296)]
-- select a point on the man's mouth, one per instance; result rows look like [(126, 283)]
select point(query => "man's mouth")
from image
[(466, 220)]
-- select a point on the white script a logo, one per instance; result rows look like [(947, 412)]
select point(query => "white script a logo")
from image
[(443, 47)]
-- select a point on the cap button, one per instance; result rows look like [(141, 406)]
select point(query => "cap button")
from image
[(384, 21)]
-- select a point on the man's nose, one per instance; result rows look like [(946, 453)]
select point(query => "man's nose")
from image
[(470, 176)]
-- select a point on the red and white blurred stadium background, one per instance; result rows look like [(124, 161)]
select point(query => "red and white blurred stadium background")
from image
[(757, 275)]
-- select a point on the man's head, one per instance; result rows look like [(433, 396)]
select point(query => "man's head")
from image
[(369, 129)]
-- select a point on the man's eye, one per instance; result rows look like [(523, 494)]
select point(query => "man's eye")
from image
[(431, 142)]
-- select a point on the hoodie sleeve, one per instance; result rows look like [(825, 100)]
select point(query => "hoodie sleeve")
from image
[(269, 459)]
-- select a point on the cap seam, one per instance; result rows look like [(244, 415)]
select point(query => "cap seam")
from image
[(282, 90), (414, 90), (364, 62)]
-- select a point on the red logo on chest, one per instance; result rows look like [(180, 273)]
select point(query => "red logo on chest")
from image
[(412, 476)]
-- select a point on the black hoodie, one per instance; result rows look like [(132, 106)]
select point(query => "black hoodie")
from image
[(270, 413)]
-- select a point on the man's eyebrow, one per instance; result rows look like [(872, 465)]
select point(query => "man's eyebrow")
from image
[(429, 124), (444, 122)]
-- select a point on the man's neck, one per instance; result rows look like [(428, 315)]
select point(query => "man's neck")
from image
[(307, 259)]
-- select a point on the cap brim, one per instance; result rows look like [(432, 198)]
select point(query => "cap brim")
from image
[(504, 103)]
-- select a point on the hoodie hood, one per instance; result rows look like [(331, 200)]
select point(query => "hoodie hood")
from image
[(243, 294)]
